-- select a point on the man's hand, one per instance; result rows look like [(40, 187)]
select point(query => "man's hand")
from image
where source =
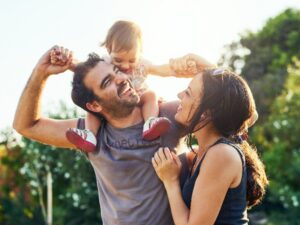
[(47, 67), (28, 119), (59, 56)]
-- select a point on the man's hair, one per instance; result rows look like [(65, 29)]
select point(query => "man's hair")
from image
[(123, 36), (80, 93)]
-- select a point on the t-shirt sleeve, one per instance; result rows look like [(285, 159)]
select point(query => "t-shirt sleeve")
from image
[(81, 123)]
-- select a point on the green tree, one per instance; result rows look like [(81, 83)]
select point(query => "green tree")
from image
[(262, 57), (279, 138), (75, 196), (16, 204)]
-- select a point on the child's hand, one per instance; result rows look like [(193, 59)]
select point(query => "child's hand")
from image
[(189, 64), (183, 66), (58, 56), (192, 67)]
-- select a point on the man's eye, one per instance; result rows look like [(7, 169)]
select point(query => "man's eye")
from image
[(107, 82), (132, 61), (186, 92)]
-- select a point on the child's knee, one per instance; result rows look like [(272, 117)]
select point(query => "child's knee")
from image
[(149, 96)]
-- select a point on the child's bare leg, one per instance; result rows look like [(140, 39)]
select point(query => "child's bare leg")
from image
[(92, 123), (154, 126), (149, 102)]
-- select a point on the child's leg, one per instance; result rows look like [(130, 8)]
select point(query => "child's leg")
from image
[(92, 123), (85, 139), (149, 104), (154, 126)]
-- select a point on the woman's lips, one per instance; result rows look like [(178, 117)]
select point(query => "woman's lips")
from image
[(179, 108)]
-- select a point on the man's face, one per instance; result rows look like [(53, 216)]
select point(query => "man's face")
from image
[(116, 94)]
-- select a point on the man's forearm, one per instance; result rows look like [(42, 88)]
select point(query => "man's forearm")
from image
[(29, 107)]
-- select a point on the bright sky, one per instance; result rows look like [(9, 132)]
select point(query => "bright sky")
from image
[(171, 28)]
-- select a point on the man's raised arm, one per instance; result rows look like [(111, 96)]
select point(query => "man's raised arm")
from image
[(28, 120)]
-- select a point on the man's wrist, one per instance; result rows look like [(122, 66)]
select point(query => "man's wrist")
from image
[(39, 74)]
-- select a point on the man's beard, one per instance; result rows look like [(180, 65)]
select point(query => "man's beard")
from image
[(118, 107)]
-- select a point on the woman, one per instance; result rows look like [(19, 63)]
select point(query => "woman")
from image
[(226, 175)]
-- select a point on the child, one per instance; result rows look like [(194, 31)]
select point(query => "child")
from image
[(124, 46)]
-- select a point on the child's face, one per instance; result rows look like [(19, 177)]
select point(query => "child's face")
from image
[(126, 61)]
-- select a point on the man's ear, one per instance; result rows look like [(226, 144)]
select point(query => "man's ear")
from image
[(94, 106)]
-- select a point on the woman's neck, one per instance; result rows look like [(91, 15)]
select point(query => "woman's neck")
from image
[(206, 137)]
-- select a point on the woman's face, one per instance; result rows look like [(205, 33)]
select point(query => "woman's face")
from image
[(189, 100)]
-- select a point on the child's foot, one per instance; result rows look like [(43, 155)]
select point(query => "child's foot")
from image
[(155, 127), (82, 139)]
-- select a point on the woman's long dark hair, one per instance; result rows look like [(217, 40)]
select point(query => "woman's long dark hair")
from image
[(230, 105)]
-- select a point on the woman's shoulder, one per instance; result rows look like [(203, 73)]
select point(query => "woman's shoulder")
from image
[(222, 155), (224, 152)]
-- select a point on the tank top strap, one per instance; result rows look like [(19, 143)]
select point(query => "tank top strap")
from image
[(235, 146), (223, 141)]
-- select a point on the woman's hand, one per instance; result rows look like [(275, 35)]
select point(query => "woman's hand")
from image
[(167, 166)]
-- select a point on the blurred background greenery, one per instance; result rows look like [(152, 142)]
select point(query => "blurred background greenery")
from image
[(269, 61)]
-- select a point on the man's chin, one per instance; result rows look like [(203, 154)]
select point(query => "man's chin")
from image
[(133, 99)]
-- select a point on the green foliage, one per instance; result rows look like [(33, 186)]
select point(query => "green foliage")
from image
[(279, 138), (16, 206), (263, 57), (75, 196)]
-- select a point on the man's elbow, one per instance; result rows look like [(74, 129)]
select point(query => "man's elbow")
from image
[(21, 128)]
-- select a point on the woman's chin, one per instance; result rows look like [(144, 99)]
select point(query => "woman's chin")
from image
[(178, 119)]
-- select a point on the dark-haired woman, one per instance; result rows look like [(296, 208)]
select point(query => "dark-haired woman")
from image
[(226, 175)]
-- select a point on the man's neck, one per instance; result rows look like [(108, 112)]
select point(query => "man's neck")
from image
[(134, 118)]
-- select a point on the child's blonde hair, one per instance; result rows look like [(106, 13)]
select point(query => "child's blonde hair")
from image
[(123, 36)]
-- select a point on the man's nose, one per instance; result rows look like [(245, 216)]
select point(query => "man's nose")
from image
[(120, 78)]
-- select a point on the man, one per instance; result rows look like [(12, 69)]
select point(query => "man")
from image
[(129, 190)]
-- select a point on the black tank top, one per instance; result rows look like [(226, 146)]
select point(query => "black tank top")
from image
[(234, 208)]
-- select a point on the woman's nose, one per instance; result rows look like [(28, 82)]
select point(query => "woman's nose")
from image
[(179, 95)]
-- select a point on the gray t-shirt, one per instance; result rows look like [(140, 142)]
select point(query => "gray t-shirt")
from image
[(129, 190)]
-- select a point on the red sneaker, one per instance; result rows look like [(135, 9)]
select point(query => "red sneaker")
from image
[(155, 127), (82, 139)]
